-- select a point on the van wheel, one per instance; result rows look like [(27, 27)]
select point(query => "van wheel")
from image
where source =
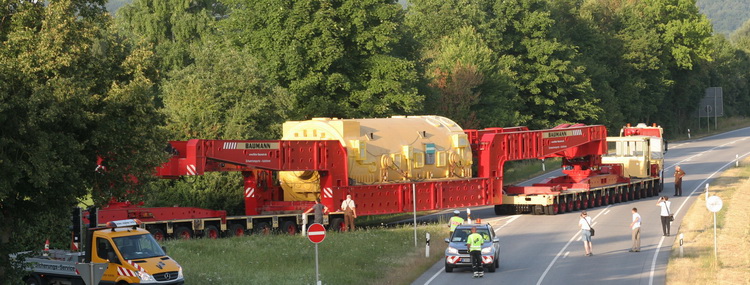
[(183, 233)]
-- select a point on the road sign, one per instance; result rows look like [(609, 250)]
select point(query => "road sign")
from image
[(316, 233), (91, 272), (714, 204)]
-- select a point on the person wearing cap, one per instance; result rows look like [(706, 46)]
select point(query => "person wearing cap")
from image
[(454, 222)]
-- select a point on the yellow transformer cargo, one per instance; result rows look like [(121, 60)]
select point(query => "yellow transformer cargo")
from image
[(383, 150)]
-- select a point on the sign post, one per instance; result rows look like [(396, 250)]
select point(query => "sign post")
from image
[(714, 205), (316, 234)]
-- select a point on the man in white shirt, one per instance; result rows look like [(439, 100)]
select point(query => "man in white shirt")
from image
[(350, 212), (666, 213), (635, 227)]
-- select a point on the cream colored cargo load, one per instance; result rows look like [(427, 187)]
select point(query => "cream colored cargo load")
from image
[(383, 150)]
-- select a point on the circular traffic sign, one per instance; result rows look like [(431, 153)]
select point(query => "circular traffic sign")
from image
[(316, 233), (714, 204)]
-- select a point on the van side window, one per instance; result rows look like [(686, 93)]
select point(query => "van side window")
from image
[(103, 247)]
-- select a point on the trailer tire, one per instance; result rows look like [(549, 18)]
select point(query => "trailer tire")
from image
[(236, 230), (183, 233), (337, 225), (290, 228), (158, 233), (262, 228), (211, 232)]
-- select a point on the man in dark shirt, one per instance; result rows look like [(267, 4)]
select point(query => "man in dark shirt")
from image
[(319, 210)]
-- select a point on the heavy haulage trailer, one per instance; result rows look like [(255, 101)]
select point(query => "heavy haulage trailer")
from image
[(380, 162)]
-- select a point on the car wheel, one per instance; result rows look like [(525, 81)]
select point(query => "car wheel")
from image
[(448, 268), (492, 266)]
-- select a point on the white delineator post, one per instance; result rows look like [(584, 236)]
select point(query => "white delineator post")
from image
[(427, 246)]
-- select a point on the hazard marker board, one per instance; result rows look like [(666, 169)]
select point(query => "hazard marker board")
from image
[(316, 233)]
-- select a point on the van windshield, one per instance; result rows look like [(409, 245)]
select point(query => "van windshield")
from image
[(138, 247)]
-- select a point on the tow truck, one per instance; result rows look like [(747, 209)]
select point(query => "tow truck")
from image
[(131, 253)]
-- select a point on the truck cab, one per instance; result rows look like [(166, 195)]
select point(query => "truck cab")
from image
[(133, 255)]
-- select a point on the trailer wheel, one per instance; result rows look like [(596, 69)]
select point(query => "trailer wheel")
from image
[(570, 204), (551, 209), (563, 207), (262, 228), (211, 232), (158, 233), (337, 224), (290, 228), (183, 233), (236, 230)]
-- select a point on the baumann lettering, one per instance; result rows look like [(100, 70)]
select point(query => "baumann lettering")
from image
[(259, 145)]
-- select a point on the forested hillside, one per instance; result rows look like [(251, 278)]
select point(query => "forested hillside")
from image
[(726, 15), (77, 84)]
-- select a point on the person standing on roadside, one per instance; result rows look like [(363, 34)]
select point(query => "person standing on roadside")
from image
[(635, 227), (350, 212), (678, 174), (585, 224), (474, 243), (454, 222), (318, 209), (666, 218)]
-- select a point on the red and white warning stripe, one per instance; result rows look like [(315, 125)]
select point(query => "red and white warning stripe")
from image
[(452, 259), (327, 192), (249, 192), (125, 272), (230, 145), (137, 267), (191, 169), (486, 259)]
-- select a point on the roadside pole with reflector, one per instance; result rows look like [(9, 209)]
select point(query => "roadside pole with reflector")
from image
[(316, 234)]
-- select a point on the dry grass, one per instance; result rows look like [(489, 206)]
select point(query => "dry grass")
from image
[(699, 266)]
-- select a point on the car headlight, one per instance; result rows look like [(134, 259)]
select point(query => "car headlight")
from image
[(486, 250), (145, 276), (452, 250), (179, 273)]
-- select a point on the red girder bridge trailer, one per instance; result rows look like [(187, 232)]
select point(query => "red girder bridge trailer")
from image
[(464, 178)]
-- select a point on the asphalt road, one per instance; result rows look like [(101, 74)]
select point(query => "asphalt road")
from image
[(548, 249)]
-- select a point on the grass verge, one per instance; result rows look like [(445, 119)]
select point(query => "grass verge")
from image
[(371, 256), (699, 265)]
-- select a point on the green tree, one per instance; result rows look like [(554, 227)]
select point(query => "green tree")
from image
[(69, 92), (169, 27), (341, 58), (224, 95)]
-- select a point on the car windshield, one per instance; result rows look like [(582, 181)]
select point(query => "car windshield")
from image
[(138, 247), (460, 235)]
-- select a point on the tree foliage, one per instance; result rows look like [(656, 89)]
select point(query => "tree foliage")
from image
[(70, 92), (341, 58)]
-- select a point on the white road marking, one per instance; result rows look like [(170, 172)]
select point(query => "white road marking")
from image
[(700, 186), (563, 249), (606, 212), (566, 254)]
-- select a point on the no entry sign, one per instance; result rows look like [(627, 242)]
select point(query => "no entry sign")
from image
[(316, 233)]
